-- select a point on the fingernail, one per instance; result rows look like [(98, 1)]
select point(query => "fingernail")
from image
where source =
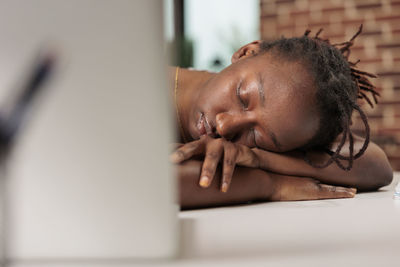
[(175, 158), (354, 190), (204, 181), (224, 187)]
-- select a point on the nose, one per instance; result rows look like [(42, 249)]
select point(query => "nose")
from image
[(230, 126)]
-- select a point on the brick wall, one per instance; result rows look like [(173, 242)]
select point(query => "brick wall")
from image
[(378, 48)]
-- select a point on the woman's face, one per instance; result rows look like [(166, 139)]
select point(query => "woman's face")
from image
[(259, 101)]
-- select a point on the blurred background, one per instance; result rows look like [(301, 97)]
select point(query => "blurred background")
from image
[(207, 32)]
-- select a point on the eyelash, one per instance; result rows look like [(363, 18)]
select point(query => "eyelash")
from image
[(244, 104)]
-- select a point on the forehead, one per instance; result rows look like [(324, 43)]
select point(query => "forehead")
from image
[(291, 76), (290, 108)]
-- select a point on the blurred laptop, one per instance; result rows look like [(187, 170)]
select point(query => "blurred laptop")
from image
[(88, 176)]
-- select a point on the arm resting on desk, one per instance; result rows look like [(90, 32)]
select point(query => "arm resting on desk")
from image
[(370, 172), (250, 184)]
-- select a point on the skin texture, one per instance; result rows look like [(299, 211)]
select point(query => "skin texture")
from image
[(251, 184), (230, 102), (369, 173), (253, 114)]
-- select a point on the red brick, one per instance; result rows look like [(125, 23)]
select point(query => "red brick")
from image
[(378, 48)]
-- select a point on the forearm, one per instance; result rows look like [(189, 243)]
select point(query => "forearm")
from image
[(369, 172), (247, 185)]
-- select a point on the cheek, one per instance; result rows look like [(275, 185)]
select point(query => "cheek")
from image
[(216, 97), (297, 136), (246, 139)]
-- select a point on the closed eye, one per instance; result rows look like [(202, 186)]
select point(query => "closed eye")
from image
[(242, 102)]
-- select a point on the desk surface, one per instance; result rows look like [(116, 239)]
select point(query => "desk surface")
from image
[(364, 231), (361, 231)]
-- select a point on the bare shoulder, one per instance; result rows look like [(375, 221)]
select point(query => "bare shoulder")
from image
[(372, 149), (373, 162)]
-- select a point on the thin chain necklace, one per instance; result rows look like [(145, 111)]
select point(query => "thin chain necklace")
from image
[(176, 106)]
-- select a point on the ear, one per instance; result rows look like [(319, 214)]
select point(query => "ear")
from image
[(250, 49)]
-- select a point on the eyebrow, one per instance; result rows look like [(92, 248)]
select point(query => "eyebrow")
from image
[(275, 140), (261, 89)]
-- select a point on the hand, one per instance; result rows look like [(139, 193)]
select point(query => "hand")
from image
[(300, 188), (175, 146), (214, 150)]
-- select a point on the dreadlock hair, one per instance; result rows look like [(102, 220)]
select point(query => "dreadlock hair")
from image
[(339, 83)]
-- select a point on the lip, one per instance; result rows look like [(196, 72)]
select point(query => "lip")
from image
[(204, 126), (207, 126), (200, 125)]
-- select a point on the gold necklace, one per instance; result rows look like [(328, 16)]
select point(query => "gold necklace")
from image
[(176, 106)]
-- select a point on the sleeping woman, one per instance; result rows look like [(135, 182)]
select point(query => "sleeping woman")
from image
[(275, 126)]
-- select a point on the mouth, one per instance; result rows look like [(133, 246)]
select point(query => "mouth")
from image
[(204, 126)]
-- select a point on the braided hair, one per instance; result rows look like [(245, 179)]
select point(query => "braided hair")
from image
[(339, 83)]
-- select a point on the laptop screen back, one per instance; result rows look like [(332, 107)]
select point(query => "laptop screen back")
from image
[(88, 177)]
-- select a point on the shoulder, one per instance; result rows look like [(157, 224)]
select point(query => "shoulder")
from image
[(372, 162)]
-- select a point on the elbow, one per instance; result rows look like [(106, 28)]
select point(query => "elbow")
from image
[(377, 170), (384, 171), (375, 180), (382, 179), (385, 176)]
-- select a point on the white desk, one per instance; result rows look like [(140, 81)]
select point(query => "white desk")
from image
[(364, 231)]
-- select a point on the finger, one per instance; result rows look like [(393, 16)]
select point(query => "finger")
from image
[(301, 188), (230, 154), (213, 155), (331, 191), (187, 151), (175, 146), (247, 157)]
